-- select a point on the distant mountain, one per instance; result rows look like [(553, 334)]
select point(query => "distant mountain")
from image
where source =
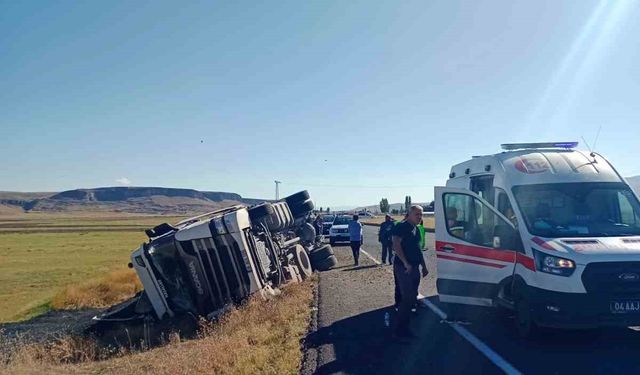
[(148, 200)]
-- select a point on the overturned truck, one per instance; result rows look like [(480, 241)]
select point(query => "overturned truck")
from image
[(200, 267)]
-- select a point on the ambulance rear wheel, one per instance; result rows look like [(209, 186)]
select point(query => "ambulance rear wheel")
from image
[(525, 325)]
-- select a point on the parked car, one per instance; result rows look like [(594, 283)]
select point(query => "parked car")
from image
[(327, 222), (339, 231), (201, 266)]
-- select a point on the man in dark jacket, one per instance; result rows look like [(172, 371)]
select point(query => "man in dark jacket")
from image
[(408, 259), (384, 237)]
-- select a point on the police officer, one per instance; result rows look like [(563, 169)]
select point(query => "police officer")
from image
[(408, 258)]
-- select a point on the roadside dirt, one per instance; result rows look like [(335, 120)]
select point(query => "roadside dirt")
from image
[(52, 325)]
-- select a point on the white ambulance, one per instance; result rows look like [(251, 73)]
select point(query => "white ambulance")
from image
[(543, 229)]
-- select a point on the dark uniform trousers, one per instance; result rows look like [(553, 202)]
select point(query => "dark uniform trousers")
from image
[(407, 291)]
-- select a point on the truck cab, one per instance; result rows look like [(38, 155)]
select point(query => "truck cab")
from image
[(545, 230)]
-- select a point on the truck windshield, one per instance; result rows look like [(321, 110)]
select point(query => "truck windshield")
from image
[(579, 209), (164, 257)]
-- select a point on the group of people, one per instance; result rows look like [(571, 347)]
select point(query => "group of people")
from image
[(385, 237), (402, 245)]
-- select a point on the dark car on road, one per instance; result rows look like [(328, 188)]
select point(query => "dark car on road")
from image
[(327, 222)]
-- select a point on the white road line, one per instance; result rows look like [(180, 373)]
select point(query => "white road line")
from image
[(472, 339), (483, 348), (370, 257)]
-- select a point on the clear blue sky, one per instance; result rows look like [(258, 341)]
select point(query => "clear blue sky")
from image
[(230, 96)]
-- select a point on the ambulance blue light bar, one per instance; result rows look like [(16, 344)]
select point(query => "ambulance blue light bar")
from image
[(520, 146)]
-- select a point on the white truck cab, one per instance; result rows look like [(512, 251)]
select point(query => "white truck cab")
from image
[(543, 229)]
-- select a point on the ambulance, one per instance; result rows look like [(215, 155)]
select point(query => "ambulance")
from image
[(544, 230)]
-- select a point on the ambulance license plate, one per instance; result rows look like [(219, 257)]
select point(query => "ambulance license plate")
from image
[(625, 307)]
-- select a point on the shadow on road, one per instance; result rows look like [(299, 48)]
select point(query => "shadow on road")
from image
[(356, 268), (362, 344)]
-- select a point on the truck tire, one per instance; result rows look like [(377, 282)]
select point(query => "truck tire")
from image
[(326, 263), (302, 208), (301, 260), (332, 242), (320, 253), (260, 211), (299, 197)]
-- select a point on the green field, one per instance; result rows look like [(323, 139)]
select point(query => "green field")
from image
[(40, 254)]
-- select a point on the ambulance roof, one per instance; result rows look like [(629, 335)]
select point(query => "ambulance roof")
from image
[(539, 166)]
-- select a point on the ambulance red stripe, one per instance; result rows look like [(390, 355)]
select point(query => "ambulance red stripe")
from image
[(526, 261), (482, 252), (478, 262)]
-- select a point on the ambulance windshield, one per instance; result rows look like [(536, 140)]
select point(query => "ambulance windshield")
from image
[(579, 209)]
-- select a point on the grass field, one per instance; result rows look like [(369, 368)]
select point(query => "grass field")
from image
[(261, 337), (74, 262), (42, 254)]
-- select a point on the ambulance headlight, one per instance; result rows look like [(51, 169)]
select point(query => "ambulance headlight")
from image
[(553, 265)]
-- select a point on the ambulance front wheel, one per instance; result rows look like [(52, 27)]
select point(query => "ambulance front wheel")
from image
[(526, 326)]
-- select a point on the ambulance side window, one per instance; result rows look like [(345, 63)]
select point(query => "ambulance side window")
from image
[(483, 186), (628, 215), (504, 206), (468, 219)]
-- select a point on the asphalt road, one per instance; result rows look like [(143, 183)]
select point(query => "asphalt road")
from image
[(606, 351), (352, 337)]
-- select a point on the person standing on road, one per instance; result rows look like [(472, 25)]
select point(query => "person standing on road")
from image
[(355, 236), (408, 257), (422, 238), (384, 237)]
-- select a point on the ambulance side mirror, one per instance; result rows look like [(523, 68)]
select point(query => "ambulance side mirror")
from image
[(504, 237)]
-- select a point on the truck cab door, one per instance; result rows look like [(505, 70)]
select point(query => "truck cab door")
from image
[(476, 248)]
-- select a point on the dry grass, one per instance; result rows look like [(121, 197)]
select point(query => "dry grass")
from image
[(42, 254), (259, 337), (114, 288)]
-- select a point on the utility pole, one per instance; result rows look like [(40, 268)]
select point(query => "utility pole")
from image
[(277, 190)]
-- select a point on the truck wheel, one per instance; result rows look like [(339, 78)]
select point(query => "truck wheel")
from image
[(301, 260), (326, 263), (260, 211), (302, 208), (320, 253), (526, 326), (332, 242), (297, 198)]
